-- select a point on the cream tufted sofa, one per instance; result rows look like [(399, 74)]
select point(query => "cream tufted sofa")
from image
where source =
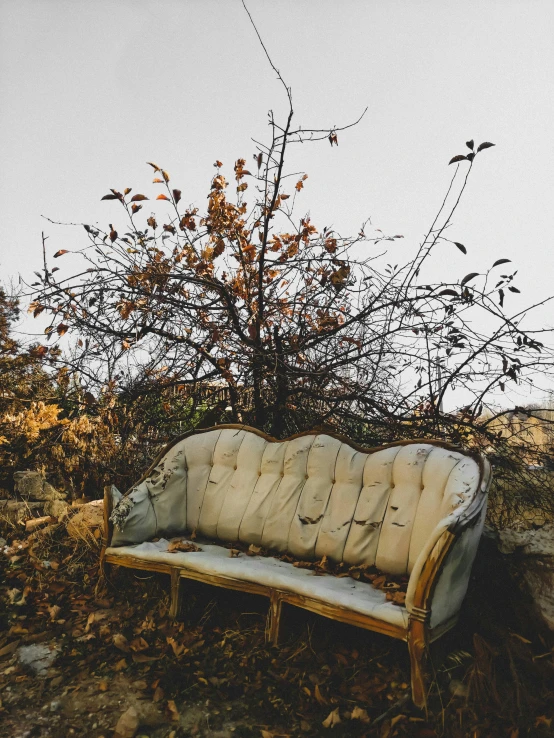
[(414, 508)]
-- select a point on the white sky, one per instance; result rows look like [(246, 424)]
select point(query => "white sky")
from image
[(92, 89)]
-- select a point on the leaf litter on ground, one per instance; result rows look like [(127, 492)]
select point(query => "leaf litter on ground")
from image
[(117, 644)]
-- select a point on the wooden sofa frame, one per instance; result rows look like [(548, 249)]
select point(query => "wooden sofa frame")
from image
[(418, 634)]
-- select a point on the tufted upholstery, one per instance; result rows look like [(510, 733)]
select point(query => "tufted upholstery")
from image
[(312, 495)]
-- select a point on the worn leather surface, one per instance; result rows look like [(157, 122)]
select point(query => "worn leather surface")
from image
[(311, 496)]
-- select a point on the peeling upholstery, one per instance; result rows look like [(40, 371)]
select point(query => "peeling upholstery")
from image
[(311, 496), (344, 592)]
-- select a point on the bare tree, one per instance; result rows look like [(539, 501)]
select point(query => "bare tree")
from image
[(252, 300)]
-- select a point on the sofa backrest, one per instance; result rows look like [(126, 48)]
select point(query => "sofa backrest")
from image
[(312, 495)]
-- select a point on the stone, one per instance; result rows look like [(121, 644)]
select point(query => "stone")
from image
[(539, 542), (37, 657), (88, 522), (56, 508), (514, 575), (31, 485), (128, 724), (18, 512)]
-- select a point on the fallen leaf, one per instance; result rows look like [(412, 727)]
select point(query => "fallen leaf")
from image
[(182, 545), (142, 658), (358, 713), (397, 719), (398, 598), (94, 617), (319, 697), (138, 644), (10, 648), (178, 648), (332, 719), (121, 642), (173, 711), (158, 694)]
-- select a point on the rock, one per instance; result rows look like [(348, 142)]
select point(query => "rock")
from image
[(531, 555), (514, 579), (88, 522), (529, 542), (31, 485), (56, 508), (38, 657), (18, 512), (127, 725)]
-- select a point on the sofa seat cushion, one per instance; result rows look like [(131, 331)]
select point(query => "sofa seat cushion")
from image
[(345, 592)]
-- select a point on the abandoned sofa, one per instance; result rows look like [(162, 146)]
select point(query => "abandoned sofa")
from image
[(414, 508)]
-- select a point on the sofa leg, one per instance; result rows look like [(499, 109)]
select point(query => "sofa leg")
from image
[(418, 644), (175, 602), (104, 569), (273, 628)]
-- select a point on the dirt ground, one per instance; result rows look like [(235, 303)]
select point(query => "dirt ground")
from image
[(80, 656)]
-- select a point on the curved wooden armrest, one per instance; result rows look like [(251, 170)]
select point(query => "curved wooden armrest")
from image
[(426, 576)]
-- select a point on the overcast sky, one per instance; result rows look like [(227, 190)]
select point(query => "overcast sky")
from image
[(92, 89)]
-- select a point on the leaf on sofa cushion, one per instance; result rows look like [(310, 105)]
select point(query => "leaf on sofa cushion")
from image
[(182, 545), (397, 598), (304, 564)]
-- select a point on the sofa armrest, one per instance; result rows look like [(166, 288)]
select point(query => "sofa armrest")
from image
[(440, 577), (111, 497)]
